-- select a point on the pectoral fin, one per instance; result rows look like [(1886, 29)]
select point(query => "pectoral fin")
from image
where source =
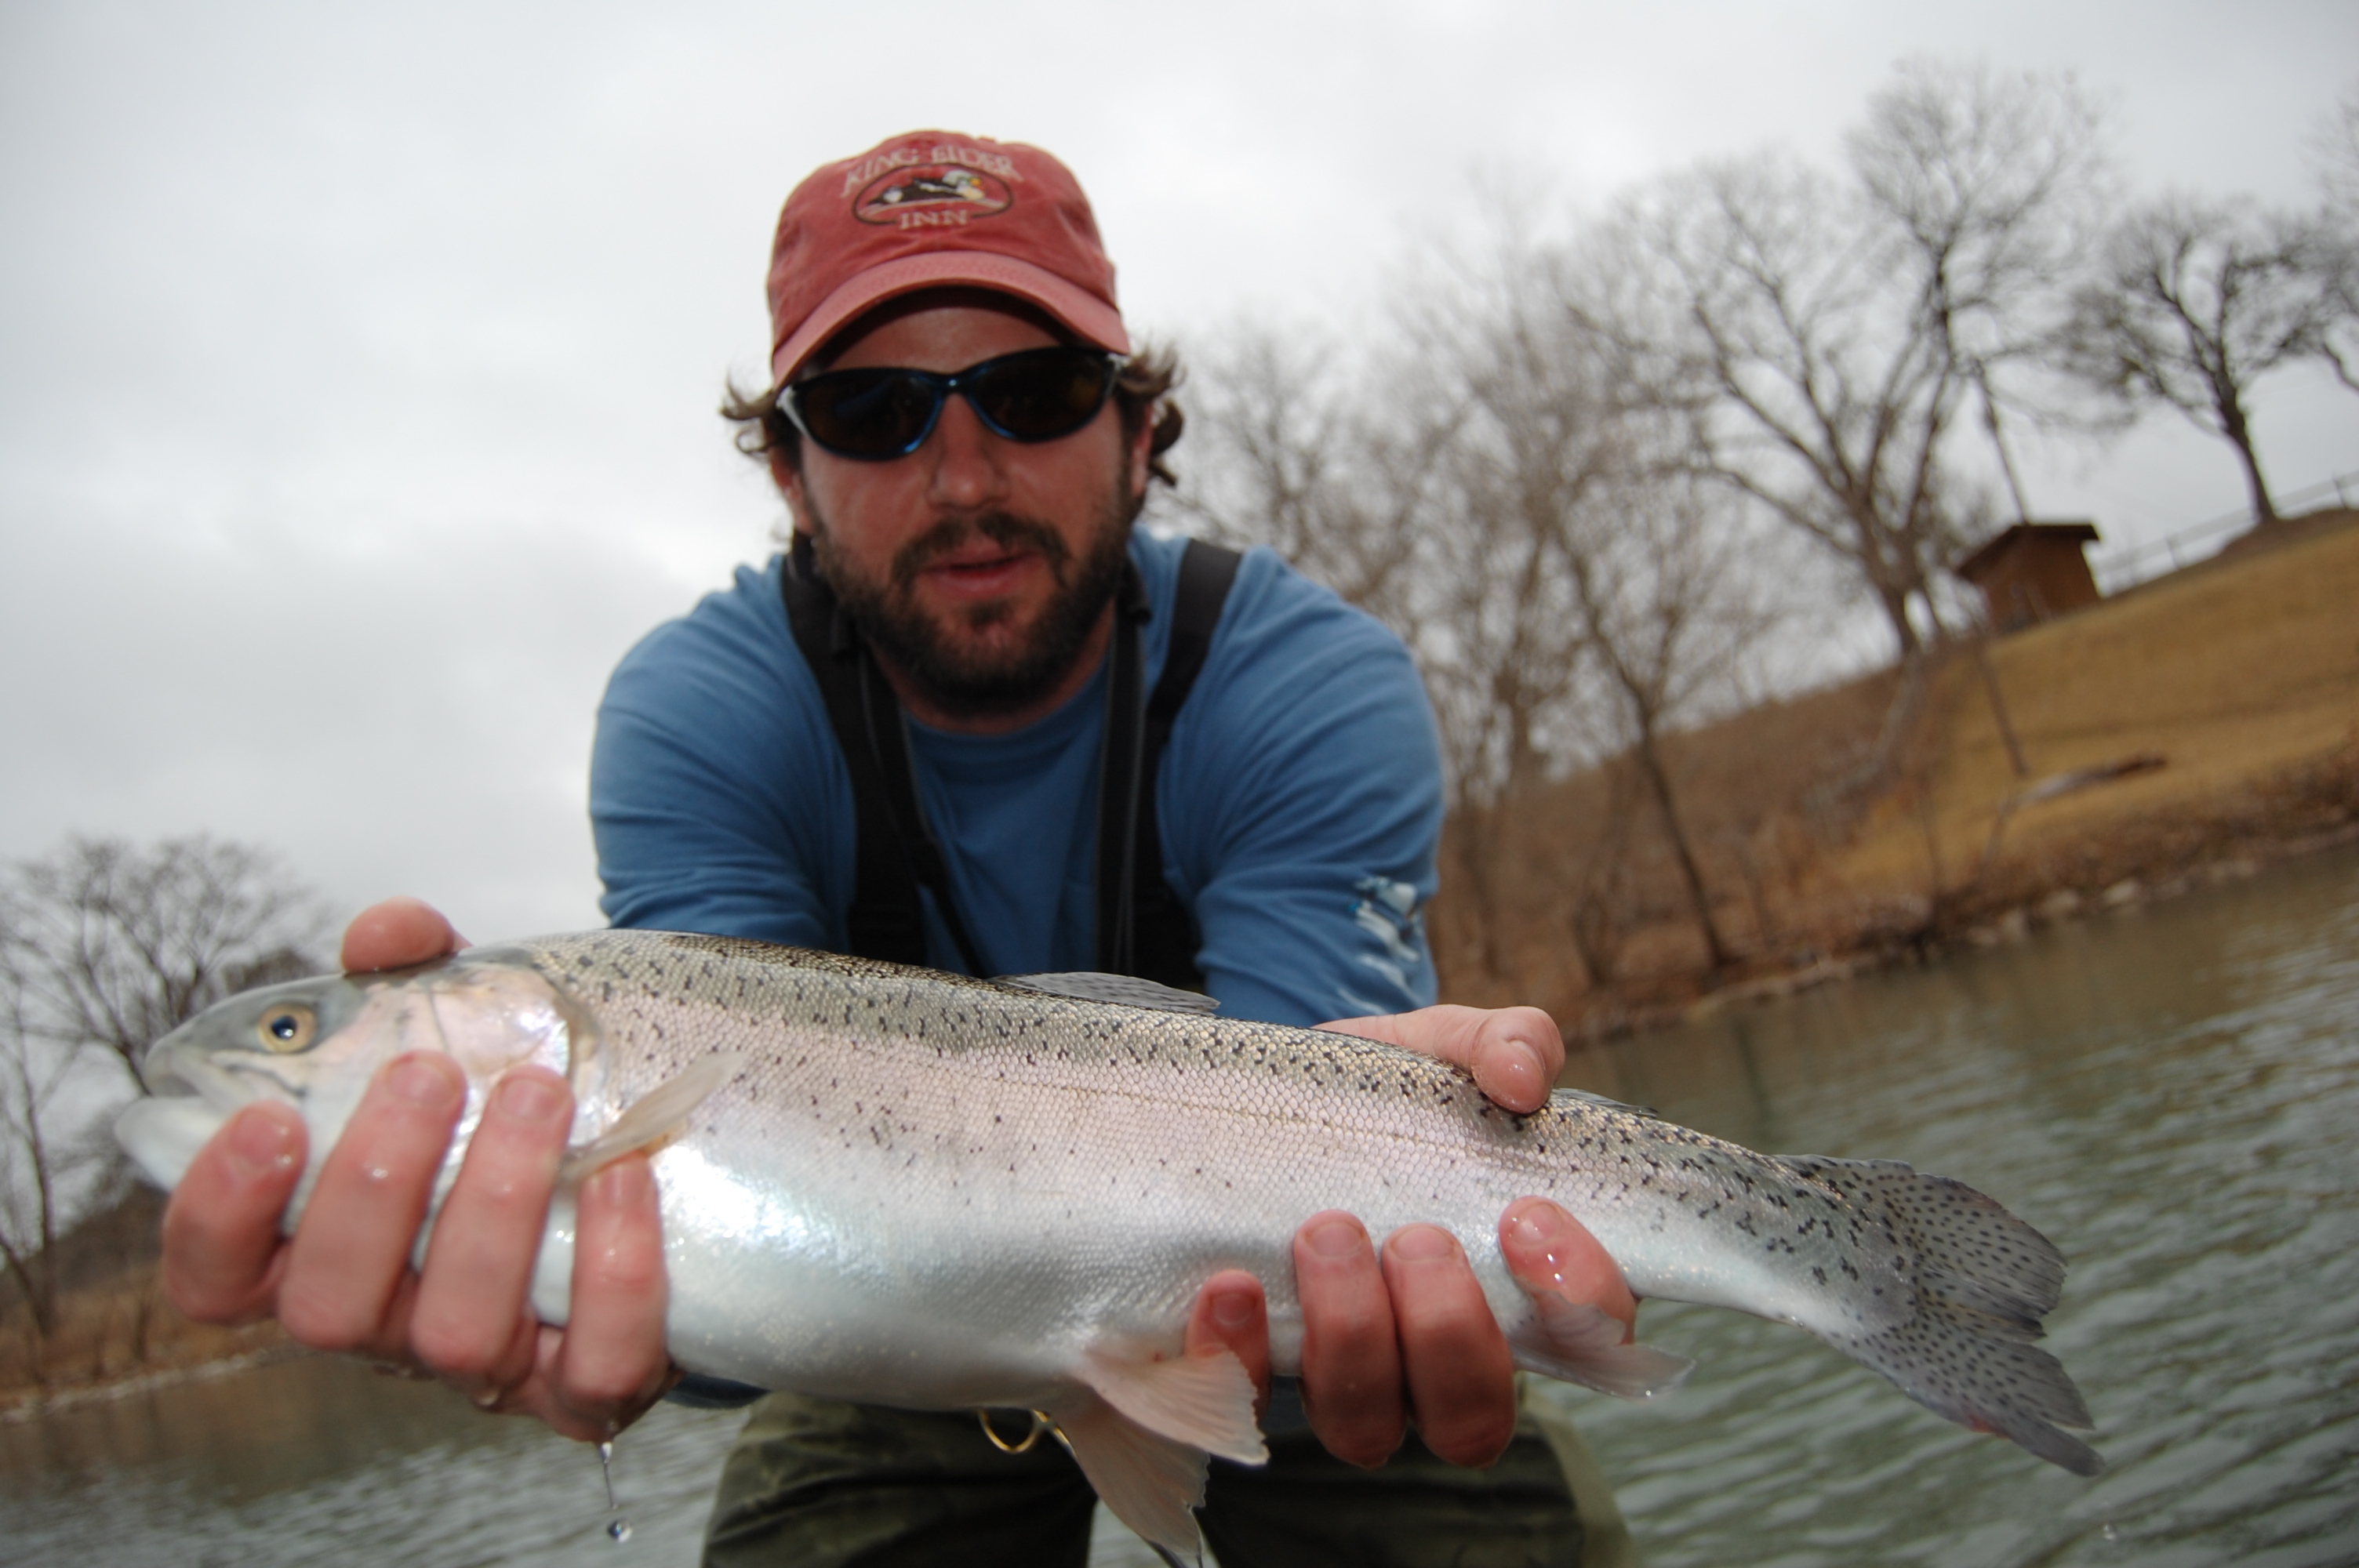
[(1579, 1343), (654, 1116)]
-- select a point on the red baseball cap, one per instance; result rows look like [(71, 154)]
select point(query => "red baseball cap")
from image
[(932, 209)]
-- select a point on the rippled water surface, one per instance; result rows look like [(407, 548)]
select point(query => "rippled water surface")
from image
[(2172, 1094)]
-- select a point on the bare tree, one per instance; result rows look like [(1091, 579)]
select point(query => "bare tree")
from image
[(1288, 456), (1669, 600), (1999, 186), (37, 1157), (104, 947), (1824, 339), (1535, 431), (2199, 301), (121, 944), (2335, 154), (2334, 150)]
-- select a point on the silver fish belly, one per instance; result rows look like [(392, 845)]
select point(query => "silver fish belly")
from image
[(906, 1187)]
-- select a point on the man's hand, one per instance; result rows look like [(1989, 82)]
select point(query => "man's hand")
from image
[(344, 1282), (1408, 1331), (1515, 1053)]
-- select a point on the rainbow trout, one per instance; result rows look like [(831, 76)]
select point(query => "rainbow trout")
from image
[(910, 1188)]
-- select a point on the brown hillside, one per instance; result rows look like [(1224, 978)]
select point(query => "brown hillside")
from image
[(2242, 674)]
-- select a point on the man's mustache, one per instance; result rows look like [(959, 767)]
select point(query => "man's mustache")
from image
[(1004, 529)]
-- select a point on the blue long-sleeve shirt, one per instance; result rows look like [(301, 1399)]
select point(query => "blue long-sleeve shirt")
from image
[(1299, 798)]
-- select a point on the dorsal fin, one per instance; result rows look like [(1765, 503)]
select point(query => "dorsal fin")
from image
[(1612, 1104), (1127, 991)]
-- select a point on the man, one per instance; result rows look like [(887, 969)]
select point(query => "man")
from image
[(894, 741)]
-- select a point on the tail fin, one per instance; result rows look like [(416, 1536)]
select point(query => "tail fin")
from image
[(1985, 1280)]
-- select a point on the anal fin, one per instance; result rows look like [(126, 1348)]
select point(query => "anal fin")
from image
[(1152, 1483), (1142, 1429), (1205, 1400)]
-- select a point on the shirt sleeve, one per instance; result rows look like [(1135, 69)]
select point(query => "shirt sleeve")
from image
[(718, 798), (1302, 792)]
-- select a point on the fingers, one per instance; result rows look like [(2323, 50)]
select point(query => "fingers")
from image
[(1515, 1053), (346, 1274), (610, 1364), (1549, 1250), (222, 1249), (470, 1321), (395, 933), (1461, 1379), (1351, 1361), (1233, 1312)]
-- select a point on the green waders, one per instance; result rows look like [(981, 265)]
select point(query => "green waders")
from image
[(818, 1484)]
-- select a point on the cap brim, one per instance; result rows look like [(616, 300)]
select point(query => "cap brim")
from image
[(1087, 316)]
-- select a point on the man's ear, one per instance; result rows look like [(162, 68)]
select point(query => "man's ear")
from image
[(789, 477)]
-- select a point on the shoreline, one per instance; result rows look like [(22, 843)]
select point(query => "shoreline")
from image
[(18, 1407)]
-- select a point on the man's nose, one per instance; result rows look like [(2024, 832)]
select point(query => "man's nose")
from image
[(966, 470)]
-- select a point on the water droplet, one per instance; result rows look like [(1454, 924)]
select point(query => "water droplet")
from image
[(606, 1469), (2110, 1533), (618, 1531)]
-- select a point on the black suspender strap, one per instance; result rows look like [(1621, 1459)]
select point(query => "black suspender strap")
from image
[(1164, 937), (1121, 782), (895, 851), (1142, 927)]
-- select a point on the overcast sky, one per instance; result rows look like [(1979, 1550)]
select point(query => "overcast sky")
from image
[(360, 360)]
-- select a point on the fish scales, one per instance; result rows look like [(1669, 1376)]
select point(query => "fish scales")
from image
[(1033, 1114), (900, 1186)]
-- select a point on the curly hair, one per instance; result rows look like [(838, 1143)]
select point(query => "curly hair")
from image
[(1142, 391)]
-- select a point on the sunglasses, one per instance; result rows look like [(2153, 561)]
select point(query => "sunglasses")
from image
[(877, 415)]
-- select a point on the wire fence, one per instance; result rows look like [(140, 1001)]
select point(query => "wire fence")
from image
[(2127, 568)]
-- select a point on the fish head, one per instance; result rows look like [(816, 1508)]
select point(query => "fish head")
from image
[(318, 1044)]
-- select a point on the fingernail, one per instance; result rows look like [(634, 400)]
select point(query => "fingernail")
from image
[(529, 1097), (1538, 1224), (1232, 1309), (422, 1079), (1335, 1238), (626, 1184), (1516, 1064), (261, 1144), (1422, 1244)]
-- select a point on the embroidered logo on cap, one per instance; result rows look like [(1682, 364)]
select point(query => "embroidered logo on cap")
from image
[(932, 196)]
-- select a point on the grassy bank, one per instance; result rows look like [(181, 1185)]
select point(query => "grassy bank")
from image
[(2232, 687), (114, 1324)]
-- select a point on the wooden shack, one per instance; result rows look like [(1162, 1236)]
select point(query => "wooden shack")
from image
[(2033, 572)]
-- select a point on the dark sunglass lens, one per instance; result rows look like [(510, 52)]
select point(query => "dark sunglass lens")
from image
[(866, 413), (1040, 396)]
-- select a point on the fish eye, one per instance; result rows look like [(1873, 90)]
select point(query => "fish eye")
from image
[(291, 1026)]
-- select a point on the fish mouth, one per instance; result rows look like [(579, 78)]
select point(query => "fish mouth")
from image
[(176, 1072)]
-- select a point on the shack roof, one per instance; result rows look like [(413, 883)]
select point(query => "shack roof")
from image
[(2075, 533)]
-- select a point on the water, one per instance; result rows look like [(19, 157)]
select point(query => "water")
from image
[(2168, 1092)]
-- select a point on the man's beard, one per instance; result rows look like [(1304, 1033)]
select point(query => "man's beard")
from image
[(979, 683)]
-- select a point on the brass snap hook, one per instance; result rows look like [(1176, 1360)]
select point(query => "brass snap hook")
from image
[(1040, 1423)]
